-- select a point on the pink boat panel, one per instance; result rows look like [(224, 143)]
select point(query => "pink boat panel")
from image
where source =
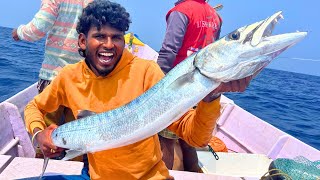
[(245, 133)]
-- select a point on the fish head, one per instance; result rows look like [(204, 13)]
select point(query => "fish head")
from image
[(245, 51)]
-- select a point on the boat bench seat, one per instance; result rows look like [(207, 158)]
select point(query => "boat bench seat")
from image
[(15, 140)]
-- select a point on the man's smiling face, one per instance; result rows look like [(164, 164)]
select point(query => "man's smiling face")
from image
[(103, 48)]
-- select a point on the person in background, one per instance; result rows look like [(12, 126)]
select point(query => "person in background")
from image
[(110, 77), (57, 20), (191, 25)]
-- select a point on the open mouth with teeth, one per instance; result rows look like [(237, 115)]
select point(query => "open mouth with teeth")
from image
[(265, 28), (259, 36), (105, 58), (255, 33)]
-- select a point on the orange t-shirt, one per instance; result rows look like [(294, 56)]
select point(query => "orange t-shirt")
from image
[(78, 88)]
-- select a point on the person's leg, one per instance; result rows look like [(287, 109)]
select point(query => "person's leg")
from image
[(167, 148), (190, 157), (167, 141)]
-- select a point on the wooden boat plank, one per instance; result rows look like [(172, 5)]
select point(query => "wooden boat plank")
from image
[(4, 161), (31, 168), (21, 167), (184, 175), (243, 132)]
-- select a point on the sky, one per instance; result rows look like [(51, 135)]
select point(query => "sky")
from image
[(148, 22)]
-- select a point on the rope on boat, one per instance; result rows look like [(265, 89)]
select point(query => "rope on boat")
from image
[(278, 173)]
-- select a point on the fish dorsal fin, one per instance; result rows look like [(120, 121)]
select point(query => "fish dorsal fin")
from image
[(84, 113)]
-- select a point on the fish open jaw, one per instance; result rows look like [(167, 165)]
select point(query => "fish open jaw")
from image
[(265, 28)]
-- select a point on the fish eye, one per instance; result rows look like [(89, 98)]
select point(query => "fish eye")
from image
[(234, 35)]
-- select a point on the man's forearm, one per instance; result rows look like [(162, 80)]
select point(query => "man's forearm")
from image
[(176, 28)]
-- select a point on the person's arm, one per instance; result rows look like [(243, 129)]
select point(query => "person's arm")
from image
[(196, 126), (177, 23), (41, 23), (45, 102), (219, 30)]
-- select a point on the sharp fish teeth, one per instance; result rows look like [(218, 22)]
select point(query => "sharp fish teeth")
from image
[(266, 28), (281, 16)]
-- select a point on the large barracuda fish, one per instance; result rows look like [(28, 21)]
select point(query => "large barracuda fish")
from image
[(239, 54)]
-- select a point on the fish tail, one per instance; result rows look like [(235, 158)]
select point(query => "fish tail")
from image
[(44, 167)]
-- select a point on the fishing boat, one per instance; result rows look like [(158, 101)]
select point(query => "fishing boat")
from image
[(251, 142)]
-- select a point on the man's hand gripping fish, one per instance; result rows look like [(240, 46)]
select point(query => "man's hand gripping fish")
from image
[(240, 54)]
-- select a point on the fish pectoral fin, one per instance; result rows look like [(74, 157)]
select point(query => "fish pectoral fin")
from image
[(84, 113), (182, 81), (72, 154)]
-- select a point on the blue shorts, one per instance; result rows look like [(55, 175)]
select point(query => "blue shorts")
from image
[(84, 176)]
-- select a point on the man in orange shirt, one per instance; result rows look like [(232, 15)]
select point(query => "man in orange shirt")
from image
[(110, 77)]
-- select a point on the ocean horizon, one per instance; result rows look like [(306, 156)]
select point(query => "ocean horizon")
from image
[(287, 100)]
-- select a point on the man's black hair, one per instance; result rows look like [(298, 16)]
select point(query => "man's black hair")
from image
[(103, 12)]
